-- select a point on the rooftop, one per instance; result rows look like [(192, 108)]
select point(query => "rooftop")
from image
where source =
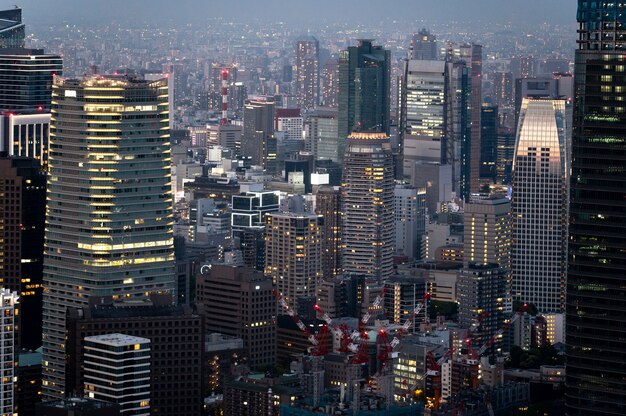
[(117, 340)]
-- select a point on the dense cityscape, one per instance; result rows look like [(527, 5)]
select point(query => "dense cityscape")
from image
[(235, 216)]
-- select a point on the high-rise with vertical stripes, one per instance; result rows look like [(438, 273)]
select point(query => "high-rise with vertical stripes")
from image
[(109, 224)]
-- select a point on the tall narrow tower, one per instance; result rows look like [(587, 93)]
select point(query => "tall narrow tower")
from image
[(307, 72), (368, 196), (109, 229), (539, 205), (596, 298)]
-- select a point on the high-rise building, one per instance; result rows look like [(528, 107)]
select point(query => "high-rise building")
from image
[(489, 148), (307, 72), (109, 227), (293, 254), (258, 140), (225, 135), (487, 232), (503, 89), (26, 77), (539, 204), (22, 216), (401, 295), (9, 330), (321, 134), (596, 305), (329, 83), (176, 335), (364, 77), (328, 206), (410, 220), (289, 121), (367, 197), (12, 32), (423, 46), (117, 369), (482, 292), (238, 301)]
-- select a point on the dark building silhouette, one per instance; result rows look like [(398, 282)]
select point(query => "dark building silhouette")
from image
[(76, 406), (238, 301), (258, 139), (489, 148), (12, 30), (22, 216), (176, 335), (364, 76), (596, 281), (328, 205), (423, 46)]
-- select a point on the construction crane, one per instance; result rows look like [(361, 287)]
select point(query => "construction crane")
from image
[(319, 341)]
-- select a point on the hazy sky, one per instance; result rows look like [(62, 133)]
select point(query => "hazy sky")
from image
[(297, 11)]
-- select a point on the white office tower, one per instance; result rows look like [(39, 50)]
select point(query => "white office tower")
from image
[(117, 369), (539, 204)]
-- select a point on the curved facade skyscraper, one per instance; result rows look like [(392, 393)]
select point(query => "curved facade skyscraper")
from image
[(368, 194), (109, 225), (539, 205), (595, 332)]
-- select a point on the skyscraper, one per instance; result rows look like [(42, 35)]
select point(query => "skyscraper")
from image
[(489, 148), (328, 206), (364, 76), (423, 46), (293, 254), (26, 77), (539, 204), (596, 302), (410, 220), (329, 78), (307, 72), (258, 140), (8, 350), (109, 209), (12, 32), (22, 217), (367, 195)]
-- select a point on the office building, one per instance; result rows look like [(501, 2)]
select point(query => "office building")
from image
[(109, 209), (487, 231), (117, 369), (9, 330), (539, 204), (367, 197), (293, 254), (176, 335), (28, 381), (22, 216), (410, 220), (482, 292), (597, 260), (489, 147), (321, 134), (307, 72), (238, 301), (329, 83), (12, 32), (364, 77), (402, 294), (226, 135), (26, 77), (328, 205), (290, 122), (258, 140), (503, 89), (423, 46)]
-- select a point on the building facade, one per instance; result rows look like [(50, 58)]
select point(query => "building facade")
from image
[(9, 330), (367, 194), (539, 204), (410, 220), (22, 216), (258, 140), (307, 72), (597, 260), (117, 369), (293, 254), (328, 205), (109, 209), (13, 30)]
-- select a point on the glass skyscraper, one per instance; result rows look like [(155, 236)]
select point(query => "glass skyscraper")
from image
[(12, 30), (364, 76), (109, 222), (539, 205), (596, 283)]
